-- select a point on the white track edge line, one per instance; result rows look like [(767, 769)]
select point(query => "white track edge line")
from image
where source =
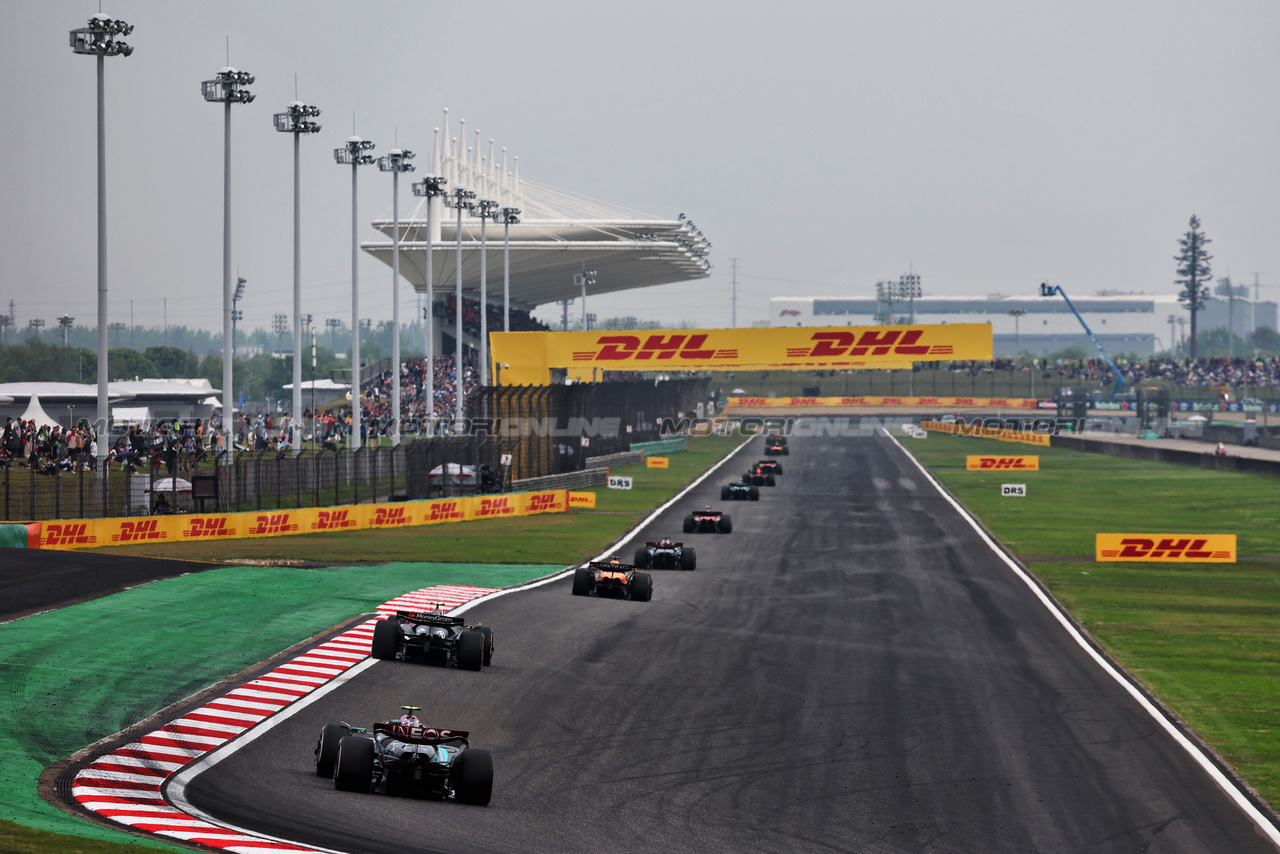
[(174, 789), (1225, 783)]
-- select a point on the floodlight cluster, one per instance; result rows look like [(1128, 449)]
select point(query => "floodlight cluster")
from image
[(225, 87), (297, 119), (355, 152), (396, 160), (99, 37), (430, 186)]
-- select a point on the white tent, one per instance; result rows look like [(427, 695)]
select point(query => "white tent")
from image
[(35, 412), (127, 416)]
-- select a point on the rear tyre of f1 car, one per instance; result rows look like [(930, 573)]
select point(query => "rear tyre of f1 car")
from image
[(786, 451), (327, 748), (386, 639), (488, 643), (777, 469), (689, 525), (471, 650), (769, 480), (725, 493), (642, 557), (754, 493), (353, 770), (688, 559), (581, 581), (726, 524), (473, 776), (641, 586)]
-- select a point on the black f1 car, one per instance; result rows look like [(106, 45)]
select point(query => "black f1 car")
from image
[(739, 491), (775, 445), (664, 554), (768, 466), (434, 638), (614, 579), (707, 522), (759, 477), (402, 757)]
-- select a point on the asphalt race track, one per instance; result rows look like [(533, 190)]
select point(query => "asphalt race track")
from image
[(849, 670)]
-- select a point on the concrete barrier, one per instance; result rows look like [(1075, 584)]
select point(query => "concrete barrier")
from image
[(568, 480), (1156, 453)]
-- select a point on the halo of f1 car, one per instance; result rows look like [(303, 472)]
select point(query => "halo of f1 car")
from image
[(432, 637), (613, 579), (665, 554), (707, 521), (403, 757)]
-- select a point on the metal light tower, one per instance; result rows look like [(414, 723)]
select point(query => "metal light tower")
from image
[(509, 217), (227, 88), (395, 162), (297, 120), (236, 314), (66, 321), (429, 188), (461, 201), (99, 38), (586, 277), (1016, 313), (355, 152), (486, 209)]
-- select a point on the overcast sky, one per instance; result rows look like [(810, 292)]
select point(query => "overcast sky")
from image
[(989, 145)]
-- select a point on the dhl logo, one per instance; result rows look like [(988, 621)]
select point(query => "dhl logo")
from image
[(495, 507), (333, 520), (216, 527), (390, 516), (273, 523), (1218, 548), (753, 401), (1002, 463), (870, 342), (135, 532), (444, 511), (70, 534), (617, 348), (541, 503), (582, 499)]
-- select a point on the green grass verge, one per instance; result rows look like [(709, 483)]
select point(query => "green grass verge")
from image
[(1205, 638), (553, 538), (65, 690)]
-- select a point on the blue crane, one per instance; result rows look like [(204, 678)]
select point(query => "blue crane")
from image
[(1047, 290)]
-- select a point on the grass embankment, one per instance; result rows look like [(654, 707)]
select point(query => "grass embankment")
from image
[(552, 538), (1205, 638), (137, 651)]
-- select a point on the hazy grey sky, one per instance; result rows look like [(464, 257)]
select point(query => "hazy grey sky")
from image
[(989, 144)]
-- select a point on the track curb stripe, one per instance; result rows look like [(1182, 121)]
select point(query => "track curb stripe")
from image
[(125, 785)]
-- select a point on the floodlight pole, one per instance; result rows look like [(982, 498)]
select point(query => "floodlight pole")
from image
[(461, 200), (429, 188), (510, 217), (354, 153), (395, 162), (486, 210), (98, 39), (296, 120)]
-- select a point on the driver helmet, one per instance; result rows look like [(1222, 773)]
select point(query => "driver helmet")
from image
[(708, 508), (665, 541), (409, 720)]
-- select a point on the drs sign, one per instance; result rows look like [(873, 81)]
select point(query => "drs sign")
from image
[(616, 482), (1013, 490)]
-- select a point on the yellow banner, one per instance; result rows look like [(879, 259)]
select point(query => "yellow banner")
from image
[(582, 499), (547, 501), (657, 462), (1203, 548), (529, 356), (442, 510), (1024, 437), (983, 402), (985, 463)]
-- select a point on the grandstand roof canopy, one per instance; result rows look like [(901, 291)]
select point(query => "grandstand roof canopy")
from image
[(559, 235)]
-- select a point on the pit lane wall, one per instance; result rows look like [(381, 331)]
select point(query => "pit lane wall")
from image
[(96, 533), (1021, 436), (989, 402)]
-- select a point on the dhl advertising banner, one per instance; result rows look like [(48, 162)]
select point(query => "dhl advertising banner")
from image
[(531, 355), (1024, 437), (986, 463), (582, 499), (982, 402), (93, 533), (1203, 548)]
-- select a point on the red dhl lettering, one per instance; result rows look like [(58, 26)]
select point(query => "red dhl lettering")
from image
[(849, 401), (70, 534), (804, 401), (443, 511), (871, 342), (495, 507), (753, 401), (998, 401), (1167, 547), (964, 401), (664, 347), (209, 528), (333, 520), (274, 523), (1002, 463), (891, 401), (390, 516), (538, 503), (134, 532)]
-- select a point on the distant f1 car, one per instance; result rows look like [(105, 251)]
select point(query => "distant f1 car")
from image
[(665, 554), (612, 578), (402, 757), (434, 638), (768, 466), (739, 491), (758, 477), (707, 522), (775, 445)]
